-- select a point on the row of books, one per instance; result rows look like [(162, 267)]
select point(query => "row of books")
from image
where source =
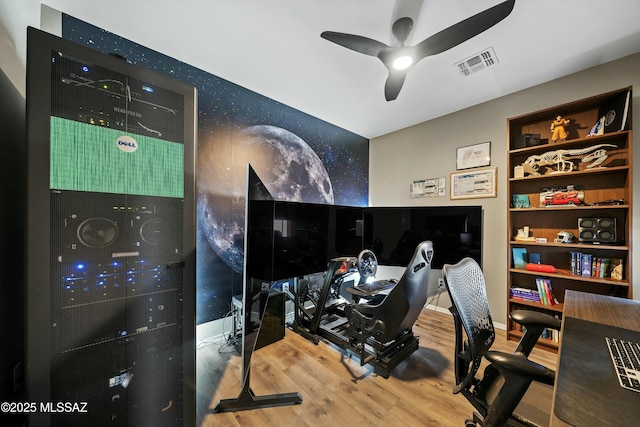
[(588, 265), (542, 295), (547, 333), (547, 297), (525, 294)]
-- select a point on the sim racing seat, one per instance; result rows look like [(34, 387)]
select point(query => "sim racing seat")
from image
[(381, 331), (507, 378)]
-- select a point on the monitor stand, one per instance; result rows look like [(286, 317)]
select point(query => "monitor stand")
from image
[(247, 400)]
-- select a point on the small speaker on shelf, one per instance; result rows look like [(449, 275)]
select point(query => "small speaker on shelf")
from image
[(529, 140), (597, 230)]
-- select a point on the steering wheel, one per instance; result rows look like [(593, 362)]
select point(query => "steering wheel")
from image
[(367, 263)]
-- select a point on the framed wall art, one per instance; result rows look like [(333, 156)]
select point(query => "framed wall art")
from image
[(474, 184), (473, 156)]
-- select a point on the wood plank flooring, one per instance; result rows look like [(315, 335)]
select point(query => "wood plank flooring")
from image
[(335, 389)]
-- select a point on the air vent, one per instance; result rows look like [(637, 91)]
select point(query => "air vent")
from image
[(477, 62)]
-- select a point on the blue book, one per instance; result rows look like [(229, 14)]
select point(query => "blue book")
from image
[(586, 265)]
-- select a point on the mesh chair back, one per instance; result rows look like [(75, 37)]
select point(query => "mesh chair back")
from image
[(466, 286)]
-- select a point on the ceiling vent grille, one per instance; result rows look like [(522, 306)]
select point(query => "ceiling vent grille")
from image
[(478, 62)]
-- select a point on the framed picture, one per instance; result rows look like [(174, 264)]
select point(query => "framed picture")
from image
[(473, 156), (474, 184), (428, 188), (519, 257)]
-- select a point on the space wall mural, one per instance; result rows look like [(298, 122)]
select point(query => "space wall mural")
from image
[(297, 156)]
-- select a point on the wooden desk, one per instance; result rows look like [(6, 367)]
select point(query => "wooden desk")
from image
[(612, 311)]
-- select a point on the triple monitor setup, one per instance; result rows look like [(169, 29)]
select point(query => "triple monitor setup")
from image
[(328, 256)]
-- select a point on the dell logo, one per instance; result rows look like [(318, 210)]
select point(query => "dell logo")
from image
[(127, 144)]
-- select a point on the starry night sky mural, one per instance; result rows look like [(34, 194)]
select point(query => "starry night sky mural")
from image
[(299, 157)]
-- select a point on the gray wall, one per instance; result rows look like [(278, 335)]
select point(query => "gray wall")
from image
[(428, 150)]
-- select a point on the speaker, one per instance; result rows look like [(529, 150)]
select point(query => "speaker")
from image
[(597, 230), (529, 140), (103, 226)]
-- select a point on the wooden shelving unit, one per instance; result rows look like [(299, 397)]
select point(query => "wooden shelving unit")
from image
[(597, 183)]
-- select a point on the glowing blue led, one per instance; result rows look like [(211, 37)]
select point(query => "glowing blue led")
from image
[(79, 266), (85, 68)]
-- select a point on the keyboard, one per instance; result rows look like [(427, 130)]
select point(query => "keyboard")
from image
[(625, 356)]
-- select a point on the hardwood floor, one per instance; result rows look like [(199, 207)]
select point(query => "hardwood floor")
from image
[(336, 390)]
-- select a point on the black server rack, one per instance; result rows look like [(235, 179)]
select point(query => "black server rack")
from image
[(110, 240)]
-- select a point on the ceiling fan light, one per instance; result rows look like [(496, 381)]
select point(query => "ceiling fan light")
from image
[(403, 62)]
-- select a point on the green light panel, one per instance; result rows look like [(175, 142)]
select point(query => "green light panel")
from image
[(86, 157)]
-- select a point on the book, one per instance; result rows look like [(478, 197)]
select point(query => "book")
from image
[(551, 297), (575, 263), (605, 268), (541, 290), (586, 265), (617, 268), (615, 113), (519, 257), (525, 294)]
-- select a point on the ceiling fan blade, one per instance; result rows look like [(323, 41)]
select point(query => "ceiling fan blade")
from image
[(358, 43), (393, 85), (464, 30)]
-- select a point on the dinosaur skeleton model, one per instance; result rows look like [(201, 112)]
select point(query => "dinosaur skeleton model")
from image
[(563, 159)]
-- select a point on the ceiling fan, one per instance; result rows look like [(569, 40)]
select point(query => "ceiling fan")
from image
[(399, 59)]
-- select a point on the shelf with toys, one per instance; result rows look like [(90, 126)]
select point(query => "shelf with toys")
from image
[(570, 202)]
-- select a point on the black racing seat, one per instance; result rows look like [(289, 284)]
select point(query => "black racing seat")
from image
[(392, 319)]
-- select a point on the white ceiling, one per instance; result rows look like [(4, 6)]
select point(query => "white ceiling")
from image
[(273, 47)]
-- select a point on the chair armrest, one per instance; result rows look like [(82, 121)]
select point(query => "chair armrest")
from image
[(519, 365), (534, 322), (530, 318)]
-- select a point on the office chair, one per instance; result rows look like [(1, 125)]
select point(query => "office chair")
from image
[(508, 376), (387, 325)]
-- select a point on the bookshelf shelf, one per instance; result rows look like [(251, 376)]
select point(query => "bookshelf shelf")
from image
[(566, 274), (578, 246), (604, 193), (557, 307)]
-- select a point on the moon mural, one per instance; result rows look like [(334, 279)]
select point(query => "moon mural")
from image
[(226, 115), (285, 163)]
